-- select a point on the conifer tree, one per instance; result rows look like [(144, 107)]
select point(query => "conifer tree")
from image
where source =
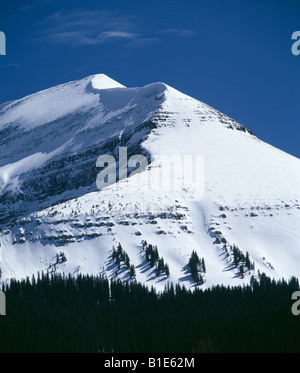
[(241, 272), (167, 270), (132, 272), (203, 266)]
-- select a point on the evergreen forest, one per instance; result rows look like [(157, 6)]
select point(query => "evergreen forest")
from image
[(58, 313)]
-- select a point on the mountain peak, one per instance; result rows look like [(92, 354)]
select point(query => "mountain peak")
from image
[(50, 143), (102, 81)]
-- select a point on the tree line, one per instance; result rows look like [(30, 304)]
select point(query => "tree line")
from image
[(83, 313)]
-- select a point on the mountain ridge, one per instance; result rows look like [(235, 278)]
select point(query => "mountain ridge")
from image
[(49, 201)]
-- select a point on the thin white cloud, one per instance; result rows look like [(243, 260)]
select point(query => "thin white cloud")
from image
[(76, 38), (86, 27), (115, 34)]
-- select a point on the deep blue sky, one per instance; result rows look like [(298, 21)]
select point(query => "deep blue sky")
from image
[(233, 55)]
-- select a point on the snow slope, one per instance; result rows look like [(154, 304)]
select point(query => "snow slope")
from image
[(49, 201)]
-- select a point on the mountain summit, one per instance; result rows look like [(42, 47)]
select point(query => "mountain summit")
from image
[(102, 81), (54, 218)]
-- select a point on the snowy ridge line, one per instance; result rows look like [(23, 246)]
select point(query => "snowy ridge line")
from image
[(247, 220)]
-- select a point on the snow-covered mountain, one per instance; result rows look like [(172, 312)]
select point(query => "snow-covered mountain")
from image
[(54, 218)]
